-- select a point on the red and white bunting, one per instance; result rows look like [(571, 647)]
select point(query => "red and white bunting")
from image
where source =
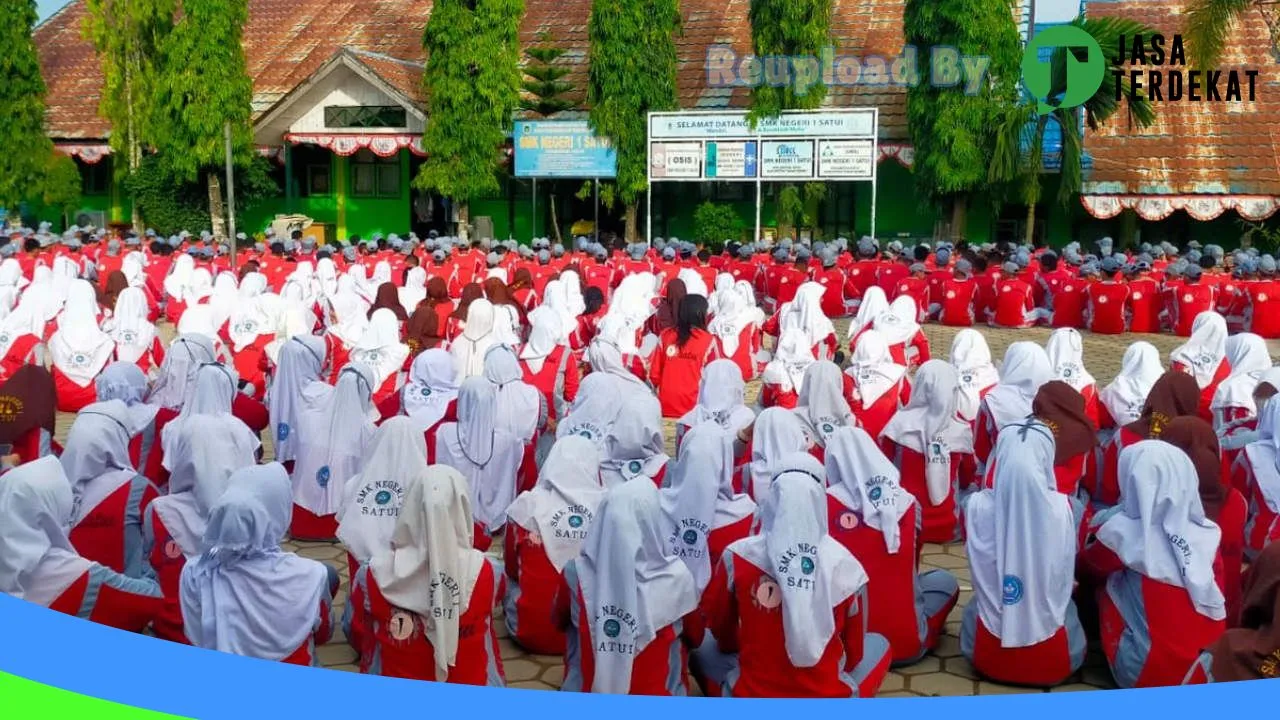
[(1201, 207)]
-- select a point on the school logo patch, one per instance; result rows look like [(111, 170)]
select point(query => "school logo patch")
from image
[(1137, 295), (128, 337), (951, 294), (828, 428), (634, 467), (10, 408), (671, 351), (1262, 297), (1069, 288), (767, 595), (1102, 300), (1188, 297), (612, 628), (79, 360), (382, 497), (875, 493), (426, 392), (807, 565), (5, 338), (282, 432), (1012, 589), (690, 537), (575, 521), (966, 379), (322, 476)]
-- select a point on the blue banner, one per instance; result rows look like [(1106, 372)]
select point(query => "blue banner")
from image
[(562, 149)]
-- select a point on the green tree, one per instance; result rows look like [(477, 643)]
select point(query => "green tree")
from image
[(173, 204), (800, 29), (472, 84), (203, 87), (953, 130), (1208, 27), (28, 170), (128, 36), (632, 72), (1018, 157), (545, 89)]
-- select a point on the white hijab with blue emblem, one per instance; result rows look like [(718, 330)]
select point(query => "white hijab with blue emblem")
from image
[(433, 384), (486, 454), (1066, 358), (634, 446), (821, 407), (863, 480), (374, 496), (333, 430), (79, 349), (1021, 541), (297, 376), (561, 507)]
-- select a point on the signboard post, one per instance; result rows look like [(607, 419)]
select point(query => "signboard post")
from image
[(562, 150), (795, 146)]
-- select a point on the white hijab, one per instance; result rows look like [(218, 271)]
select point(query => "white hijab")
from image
[(792, 547), (862, 479), (1021, 541), (805, 314), (298, 365), (380, 348), (414, 290), (698, 498), (899, 324), (375, 495), (129, 327), (79, 348), (822, 407), (11, 274), (594, 411), (198, 319), (873, 305), (929, 425), (561, 508), (634, 445), (204, 457), (791, 359), (520, 405), (186, 354), (213, 392), (483, 451), (1026, 367), (777, 434), (605, 357), (30, 317), (873, 369), (1248, 356), (476, 339), (175, 284), (1065, 350), (244, 595), (199, 287), (723, 287), (333, 430), (254, 314), (431, 387), (1125, 397), (721, 399), (1161, 531), (125, 382), (693, 282), (96, 457), (430, 568), (631, 586), (350, 316), (1205, 350), (1263, 455), (225, 296), (545, 334), (37, 561), (732, 315)]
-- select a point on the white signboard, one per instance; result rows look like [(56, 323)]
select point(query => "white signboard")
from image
[(786, 159), (731, 160), (847, 159), (851, 123), (677, 161)]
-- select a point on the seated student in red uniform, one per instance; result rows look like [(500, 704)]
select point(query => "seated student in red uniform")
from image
[(1108, 301), (299, 364), (1014, 306), (430, 397), (78, 349), (135, 337), (205, 455), (23, 330), (375, 494), (682, 353), (1065, 349), (1248, 652), (960, 301), (42, 567), (175, 287), (1062, 410), (1156, 561), (1121, 402), (878, 386), (1025, 368), (634, 445), (1264, 301), (548, 365), (971, 358), (736, 327), (1260, 480), (1021, 626), (932, 448), (831, 278), (548, 525), (241, 593), (347, 324), (783, 377), (1204, 357), (869, 513), (1192, 297), (522, 409), (791, 603), (380, 349), (901, 331), (626, 603), (916, 287), (821, 407), (1223, 505), (111, 496), (594, 309), (1172, 396), (334, 427), (1233, 400), (488, 455), (1144, 300), (1071, 299)]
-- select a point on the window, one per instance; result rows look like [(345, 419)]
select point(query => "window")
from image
[(95, 178), (312, 171), (373, 176), (365, 116)]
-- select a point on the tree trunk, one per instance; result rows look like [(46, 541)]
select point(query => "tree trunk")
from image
[(1029, 235), (135, 149), (217, 214), (631, 213), (464, 222), (555, 222), (959, 213)]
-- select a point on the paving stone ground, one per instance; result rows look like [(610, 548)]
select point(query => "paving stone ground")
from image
[(941, 673)]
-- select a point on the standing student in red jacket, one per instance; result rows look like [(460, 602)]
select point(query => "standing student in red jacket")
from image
[(1204, 357), (682, 353), (791, 602)]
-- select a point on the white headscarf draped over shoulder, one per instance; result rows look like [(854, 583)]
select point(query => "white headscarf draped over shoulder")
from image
[(1125, 397), (1205, 350), (930, 426), (865, 482), (561, 507)]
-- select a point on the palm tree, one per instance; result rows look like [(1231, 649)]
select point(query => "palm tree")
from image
[(1208, 26), (1019, 149)]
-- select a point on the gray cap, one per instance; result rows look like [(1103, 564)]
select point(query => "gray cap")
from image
[(1022, 258), (557, 250), (1194, 245), (8, 250), (349, 252), (1110, 264), (1193, 272), (1267, 265), (919, 267), (866, 247), (1088, 270), (668, 253), (544, 257), (637, 251), (1010, 268), (492, 259), (803, 254), (781, 254), (828, 257), (438, 256), (260, 247), (964, 266), (942, 257)]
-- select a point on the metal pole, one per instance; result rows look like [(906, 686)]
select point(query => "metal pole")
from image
[(231, 195), (533, 222), (875, 183), (759, 203), (648, 212), (597, 221)]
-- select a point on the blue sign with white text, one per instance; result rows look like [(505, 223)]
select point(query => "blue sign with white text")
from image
[(562, 149)]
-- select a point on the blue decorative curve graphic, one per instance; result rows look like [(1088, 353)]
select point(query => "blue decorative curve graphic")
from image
[(100, 662)]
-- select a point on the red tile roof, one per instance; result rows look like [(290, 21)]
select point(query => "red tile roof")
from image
[(1194, 148)]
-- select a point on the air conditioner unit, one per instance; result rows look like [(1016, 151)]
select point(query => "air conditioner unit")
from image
[(85, 218)]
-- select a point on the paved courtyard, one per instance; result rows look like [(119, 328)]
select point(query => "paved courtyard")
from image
[(944, 672)]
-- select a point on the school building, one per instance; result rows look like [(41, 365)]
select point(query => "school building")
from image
[(338, 109)]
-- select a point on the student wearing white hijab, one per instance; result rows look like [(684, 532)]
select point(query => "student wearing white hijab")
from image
[(39, 564), (205, 456), (488, 456), (628, 594), (879, 384), (1204, 357), (198, 320), (724, 284), (225, 296), (123, 381), (375, 495), (1121, 401), (22, 331), (1259, 472), (298, 368), (634, 444), (776, 433), (430, 394), (821, 407), (243, 594), (783, 376), (1021, 626), (213, 393), (1248, 357), (813, 642), (1065, 350), (522, 410), (693, 282), (347, 322), (606, 356), (1159, 554), (334, 427), (185, 355), (134, 335), (873, 304), (878, 521), (381, 351), (595, 409), (175, 286), (736, 324), (721, 401), (477, 337), (414, 290), (805, 314), (547, 364), (901, 330), (358, 279), (548, 526), (932, 448), (110, 495), (1026, 367), (78, 349)]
